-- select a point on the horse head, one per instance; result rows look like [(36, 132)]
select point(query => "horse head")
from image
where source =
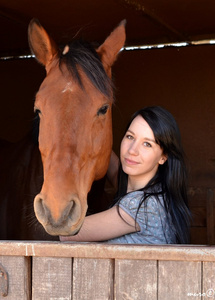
[(75, 133)]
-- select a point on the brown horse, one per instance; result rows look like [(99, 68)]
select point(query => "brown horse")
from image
[(75, 132)]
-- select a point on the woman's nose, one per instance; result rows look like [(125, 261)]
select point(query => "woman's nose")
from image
[(133, 149)]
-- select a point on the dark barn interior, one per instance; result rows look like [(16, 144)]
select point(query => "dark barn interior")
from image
[(173, 65)]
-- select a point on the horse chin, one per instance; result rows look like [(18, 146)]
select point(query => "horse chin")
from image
[(62, 231)]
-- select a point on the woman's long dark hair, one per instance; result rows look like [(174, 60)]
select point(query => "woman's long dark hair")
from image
[(172, 175)]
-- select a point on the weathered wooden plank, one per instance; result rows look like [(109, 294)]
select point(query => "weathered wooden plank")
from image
[(209, 279), (51, 278), (100, 250), (179, 280), (92, 279), (18, 270), (135, 279)]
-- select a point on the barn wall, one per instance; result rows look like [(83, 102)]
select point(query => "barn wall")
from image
[(20, 79)]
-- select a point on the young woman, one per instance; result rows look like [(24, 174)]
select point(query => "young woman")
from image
[(151, 202)]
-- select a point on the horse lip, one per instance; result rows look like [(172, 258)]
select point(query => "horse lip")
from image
[(68, 227), (65, 231)]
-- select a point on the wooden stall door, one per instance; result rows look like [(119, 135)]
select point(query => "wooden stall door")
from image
[(18, 269), (92, 279), (51, 278), (136, 279)]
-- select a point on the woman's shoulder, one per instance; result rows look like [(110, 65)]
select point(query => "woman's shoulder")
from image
[(137, 199), (131, 200), (151, 193), (134, 194)]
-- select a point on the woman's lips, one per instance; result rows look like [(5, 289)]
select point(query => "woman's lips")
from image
[(130, 162)]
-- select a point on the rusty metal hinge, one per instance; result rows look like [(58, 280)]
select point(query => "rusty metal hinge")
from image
[(3, 281)]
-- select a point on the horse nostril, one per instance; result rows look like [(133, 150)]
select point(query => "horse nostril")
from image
[(68, 211), (46, 216), (40, 208), (72, 204), (40, 203), (73, 211)]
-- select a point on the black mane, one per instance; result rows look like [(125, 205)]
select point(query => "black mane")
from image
[(81, 53)]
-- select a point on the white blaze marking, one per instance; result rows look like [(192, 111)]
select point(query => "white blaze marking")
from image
[(68, 87)]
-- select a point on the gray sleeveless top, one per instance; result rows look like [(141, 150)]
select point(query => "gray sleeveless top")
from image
[(151, 218)]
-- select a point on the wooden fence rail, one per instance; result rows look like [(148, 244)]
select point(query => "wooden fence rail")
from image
[(92, 271)]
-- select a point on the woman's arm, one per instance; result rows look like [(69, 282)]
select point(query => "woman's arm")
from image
[(104, 226)]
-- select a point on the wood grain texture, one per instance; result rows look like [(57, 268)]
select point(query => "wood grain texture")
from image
[(179, 280), (120, 272), (136, 280), (92, 279), (51, 278), (209, 279), (18, 270), (98, 250)]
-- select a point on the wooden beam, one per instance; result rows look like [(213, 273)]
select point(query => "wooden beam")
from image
[(102, 250)]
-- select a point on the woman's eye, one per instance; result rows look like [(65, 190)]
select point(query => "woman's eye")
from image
[(128, 136), (146, 144)]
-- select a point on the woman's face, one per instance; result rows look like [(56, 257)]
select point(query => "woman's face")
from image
[(139, 153)]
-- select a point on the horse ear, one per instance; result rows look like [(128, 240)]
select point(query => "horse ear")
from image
[(41, 44), (110, 48)]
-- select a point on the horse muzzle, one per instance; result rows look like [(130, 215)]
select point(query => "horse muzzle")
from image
[(63, 220)]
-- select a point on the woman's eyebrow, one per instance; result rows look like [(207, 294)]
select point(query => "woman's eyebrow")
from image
[(130, 131), (151, 140), (145, 138)]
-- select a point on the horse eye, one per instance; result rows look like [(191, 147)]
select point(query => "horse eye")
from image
[(37, 111), (102, 110)]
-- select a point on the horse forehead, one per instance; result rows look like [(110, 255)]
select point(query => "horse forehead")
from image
[(56, 79), (68, 95), (60, 80), (57, 90), (62, 95)]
